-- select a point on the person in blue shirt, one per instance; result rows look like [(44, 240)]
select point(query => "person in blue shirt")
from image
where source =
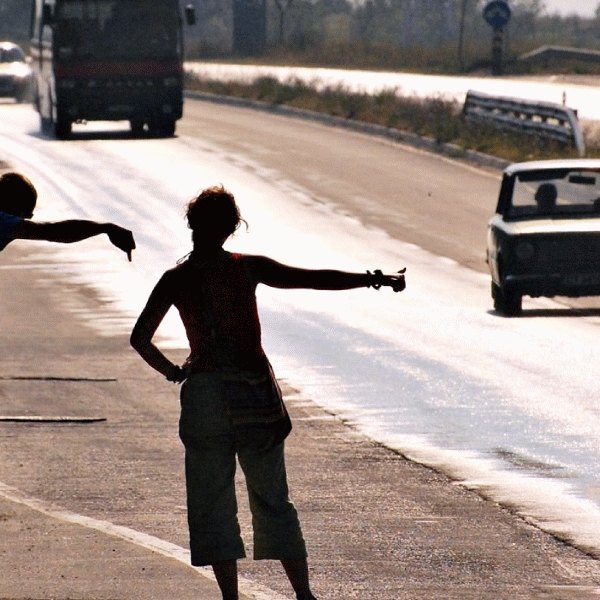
[(18, 198)]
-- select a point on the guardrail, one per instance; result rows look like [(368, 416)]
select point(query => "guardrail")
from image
[(552, 54), (544, 119)]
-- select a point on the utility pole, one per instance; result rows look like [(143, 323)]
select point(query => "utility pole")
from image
[(461, 35)]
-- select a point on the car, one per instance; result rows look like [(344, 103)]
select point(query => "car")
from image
[(544, 239), (15, 73)]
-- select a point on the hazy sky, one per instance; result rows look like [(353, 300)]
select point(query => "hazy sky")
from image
[(585, 8)]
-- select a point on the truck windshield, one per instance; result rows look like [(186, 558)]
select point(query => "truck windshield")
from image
[(115, 29)]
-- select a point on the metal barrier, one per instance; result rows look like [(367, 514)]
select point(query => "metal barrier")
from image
[(544, 119), (552, 54)]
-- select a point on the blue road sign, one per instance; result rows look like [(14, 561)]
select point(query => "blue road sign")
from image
[(497, 13)]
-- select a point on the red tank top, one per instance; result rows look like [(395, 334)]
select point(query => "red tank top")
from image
[(217, 305)]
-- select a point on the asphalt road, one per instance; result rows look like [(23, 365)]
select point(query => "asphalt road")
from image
[(378, 526), (438, 204)]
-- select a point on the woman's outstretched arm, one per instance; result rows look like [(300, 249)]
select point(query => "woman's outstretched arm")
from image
[(74, 230), (272, 273)]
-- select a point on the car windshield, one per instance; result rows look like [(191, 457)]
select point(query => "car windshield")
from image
[(9, 55), (556, 193)]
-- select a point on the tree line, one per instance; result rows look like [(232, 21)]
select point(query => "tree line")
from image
[(433, 35), (419, 34)]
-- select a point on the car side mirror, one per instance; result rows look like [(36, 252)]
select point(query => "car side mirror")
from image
[(190, 14)]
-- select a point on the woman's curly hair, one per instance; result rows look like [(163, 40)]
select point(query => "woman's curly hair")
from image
[(213, 215)]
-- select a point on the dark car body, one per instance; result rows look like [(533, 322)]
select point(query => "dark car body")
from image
[(15, 74), (544, 239)]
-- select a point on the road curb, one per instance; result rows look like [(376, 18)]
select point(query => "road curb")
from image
[(405, 137)]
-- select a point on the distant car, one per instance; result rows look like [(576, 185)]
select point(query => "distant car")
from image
[(15, 73), (544, 239)]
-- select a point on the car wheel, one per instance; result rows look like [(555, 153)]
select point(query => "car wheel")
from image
[(509, 303), (22, 96)]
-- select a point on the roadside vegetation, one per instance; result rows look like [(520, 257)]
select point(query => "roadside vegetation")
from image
[(424, 36), (434, 118)]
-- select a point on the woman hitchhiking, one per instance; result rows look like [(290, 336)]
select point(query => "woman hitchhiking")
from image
[(230, 402)]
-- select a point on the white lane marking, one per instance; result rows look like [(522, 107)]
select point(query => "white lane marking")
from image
[(247, 587)]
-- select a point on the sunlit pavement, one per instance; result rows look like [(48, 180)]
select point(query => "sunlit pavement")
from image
[(378, 526)]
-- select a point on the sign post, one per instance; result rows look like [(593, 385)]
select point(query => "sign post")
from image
[(497, 14)]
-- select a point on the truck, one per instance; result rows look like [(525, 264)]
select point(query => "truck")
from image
[(108, 60)]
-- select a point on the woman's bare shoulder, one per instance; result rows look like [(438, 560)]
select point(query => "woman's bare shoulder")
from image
[(258, 265)]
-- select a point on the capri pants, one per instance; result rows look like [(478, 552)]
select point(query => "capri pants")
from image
[(211, 446)]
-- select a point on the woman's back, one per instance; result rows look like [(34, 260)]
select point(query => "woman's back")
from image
[(217, 305)]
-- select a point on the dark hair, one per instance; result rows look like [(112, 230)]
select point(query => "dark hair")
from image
[(18, 195), (213, 215)]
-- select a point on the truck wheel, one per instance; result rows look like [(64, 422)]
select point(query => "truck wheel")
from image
[(162, 128), (45, 125), (62, 128), (137, 127)]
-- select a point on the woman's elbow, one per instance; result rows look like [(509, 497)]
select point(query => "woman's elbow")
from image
[(138, 339)]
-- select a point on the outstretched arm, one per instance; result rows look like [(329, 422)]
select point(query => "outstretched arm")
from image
[(74, 230), (270, 272), (150, 318)]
